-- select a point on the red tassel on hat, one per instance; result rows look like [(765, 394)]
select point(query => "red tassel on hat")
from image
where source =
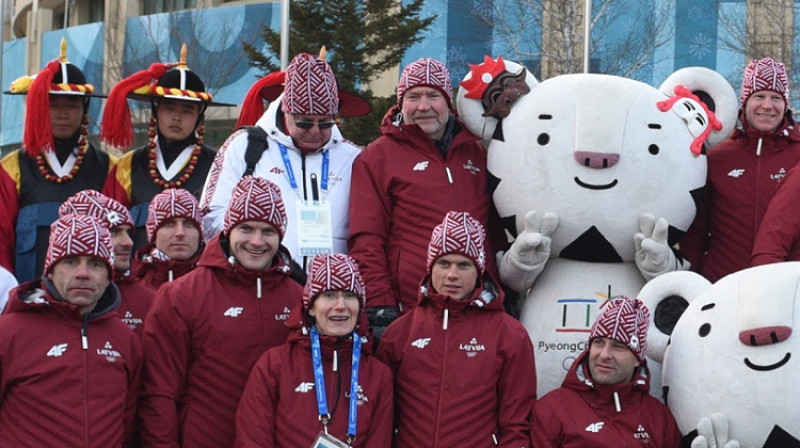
[(38, 135), (253, 104), (116, 128)]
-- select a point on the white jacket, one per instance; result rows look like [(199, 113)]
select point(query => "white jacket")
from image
[(229, 166)]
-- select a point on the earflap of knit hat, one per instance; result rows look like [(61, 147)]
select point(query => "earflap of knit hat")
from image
[(256, 199), (76, 235), (425, 72), (459, 233), (333, 272), (310, 87), (171, 203), (109, 212), (625, 320), (764, 74)]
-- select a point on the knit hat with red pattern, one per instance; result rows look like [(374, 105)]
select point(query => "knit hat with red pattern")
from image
[(109, 212), (171, 203), (310, 87), (425, 72), (460, 234), (256, 199), (764, 74), (626, 321), (333, 272), (76, 235)]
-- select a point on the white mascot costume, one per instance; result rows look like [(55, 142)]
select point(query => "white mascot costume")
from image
[(595, 178), (730, 354)]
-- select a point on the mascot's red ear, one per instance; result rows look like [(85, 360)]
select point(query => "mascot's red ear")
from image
[(699, 119), (667, 297)]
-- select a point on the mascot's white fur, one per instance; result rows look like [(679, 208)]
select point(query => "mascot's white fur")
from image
[(730, 354), (595, 177)]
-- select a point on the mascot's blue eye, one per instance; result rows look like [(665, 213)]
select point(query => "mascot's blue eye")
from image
[(653, 149), (705, 329), (543, 139)]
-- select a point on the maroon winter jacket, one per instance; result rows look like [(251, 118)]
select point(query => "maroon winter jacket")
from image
[(401, 189), (66, 379), (778, 238), (739, 187), (202, 337), (154, 272), (137, 298), (464, 372), (279, 407), (582, 414)]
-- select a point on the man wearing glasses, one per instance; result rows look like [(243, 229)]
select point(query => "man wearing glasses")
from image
[(301, 150)]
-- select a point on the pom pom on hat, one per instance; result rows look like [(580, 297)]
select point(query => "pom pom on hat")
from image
[(333, 272), (171, 203), (626, 321), (425, 72), (764, 74), (256, 199), (460, 234), (310, 87), (76, 235), (109, 212)]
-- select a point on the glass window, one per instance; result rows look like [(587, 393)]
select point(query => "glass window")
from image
[(159, 6)]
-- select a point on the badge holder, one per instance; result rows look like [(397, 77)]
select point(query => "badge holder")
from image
[(325, 440)]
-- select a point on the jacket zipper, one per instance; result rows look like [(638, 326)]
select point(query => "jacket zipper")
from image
[(441, 377), (85, 349)]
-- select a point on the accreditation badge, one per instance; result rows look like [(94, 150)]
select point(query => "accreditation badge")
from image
[(314, 228), (325, 440)]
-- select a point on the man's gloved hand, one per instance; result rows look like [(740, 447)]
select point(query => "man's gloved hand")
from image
[(531, 248), (654, 256), (380, 317), (713, 433)]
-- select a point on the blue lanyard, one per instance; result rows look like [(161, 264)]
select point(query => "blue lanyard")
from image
[(290, 173), (319, 382)]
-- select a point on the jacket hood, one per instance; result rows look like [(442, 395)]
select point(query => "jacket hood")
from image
[(787, 132), (272, 122), (413, 136), (488, 296), (41, 293), (216, 256), (143, 262), (579, 379), (300, 333)]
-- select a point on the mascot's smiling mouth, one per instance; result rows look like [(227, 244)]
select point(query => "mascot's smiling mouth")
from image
[(583, 184), (760, 368)]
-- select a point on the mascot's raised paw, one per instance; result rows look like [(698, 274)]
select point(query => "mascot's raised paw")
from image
[(713, 433), (654, 256), (531, 249)]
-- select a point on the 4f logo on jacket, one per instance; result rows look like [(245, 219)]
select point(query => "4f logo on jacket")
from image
[(233, 311), (736, 173), (304, 388), (421, 166), (595, 427), (421, 342), (57, 350)]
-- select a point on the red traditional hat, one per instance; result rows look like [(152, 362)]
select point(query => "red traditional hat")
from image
[(333, 272), (109, 212), (460, 234), (425, 72), (764, 74), (270, 87), (173, 81), (75, 235), (58, 77), (626, 321), (256, 199), (171, 203)]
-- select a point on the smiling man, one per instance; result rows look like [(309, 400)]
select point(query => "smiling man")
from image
[(458, 356), (424, 163), (174, 238), (744, 173), (207, 329), (604, 400), (65, 357)]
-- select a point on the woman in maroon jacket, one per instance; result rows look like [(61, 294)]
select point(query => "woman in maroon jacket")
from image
[(322, 384)]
